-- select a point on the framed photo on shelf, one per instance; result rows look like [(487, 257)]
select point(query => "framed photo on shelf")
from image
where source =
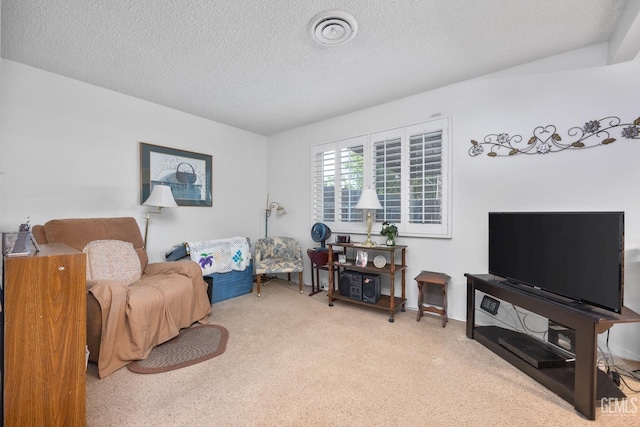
[(361, 259), (188, 174), (18, 243)]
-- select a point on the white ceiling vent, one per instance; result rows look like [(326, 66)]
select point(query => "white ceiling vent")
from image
[(332, 28)]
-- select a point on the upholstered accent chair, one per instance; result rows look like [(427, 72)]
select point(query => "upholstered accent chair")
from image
[(278, 255)]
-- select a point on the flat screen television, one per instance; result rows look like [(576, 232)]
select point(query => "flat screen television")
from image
[(577, 255)]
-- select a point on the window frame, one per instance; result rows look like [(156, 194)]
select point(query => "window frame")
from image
[(356, 223)]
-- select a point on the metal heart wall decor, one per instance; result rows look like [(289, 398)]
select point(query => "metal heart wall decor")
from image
[(546, 139)]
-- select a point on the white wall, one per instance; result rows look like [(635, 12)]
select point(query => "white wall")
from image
[(69, 149), (564, 91)]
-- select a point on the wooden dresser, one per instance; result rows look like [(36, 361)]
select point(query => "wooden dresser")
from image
[(44, 358)]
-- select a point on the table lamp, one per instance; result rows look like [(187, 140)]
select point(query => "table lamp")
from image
[(368, 201)]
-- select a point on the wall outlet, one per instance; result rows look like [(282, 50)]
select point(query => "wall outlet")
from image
[(323, 285)]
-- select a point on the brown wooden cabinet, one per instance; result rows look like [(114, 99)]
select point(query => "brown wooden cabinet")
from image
[(393, 265), (44, 317)]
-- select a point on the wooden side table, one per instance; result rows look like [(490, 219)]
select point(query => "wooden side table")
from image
[(319, 261), (424, 279), (44, 306)]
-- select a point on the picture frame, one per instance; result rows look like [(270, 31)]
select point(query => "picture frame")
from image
[(188, 174), (18, 243), (362, 259), (343, 239)]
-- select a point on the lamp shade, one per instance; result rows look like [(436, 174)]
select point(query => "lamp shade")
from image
[(161, 196), (368, 200)]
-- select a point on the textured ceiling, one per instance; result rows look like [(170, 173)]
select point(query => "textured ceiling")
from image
[(252, 65)]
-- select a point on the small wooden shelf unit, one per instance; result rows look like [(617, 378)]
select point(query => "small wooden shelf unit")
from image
[(390, 303)]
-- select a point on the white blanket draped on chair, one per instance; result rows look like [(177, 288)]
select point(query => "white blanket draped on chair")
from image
[(222, 255)]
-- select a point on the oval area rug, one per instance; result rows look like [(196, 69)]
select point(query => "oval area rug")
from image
[(191, 346)]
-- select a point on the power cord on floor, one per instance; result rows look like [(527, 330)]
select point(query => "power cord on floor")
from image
[(614, 371)]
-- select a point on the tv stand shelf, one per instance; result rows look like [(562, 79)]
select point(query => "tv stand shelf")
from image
[(559, 379), (579, 382)]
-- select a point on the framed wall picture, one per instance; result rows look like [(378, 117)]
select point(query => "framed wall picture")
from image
[(188, 174)]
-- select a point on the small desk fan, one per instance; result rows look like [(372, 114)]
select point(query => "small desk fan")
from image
[(320, 233)]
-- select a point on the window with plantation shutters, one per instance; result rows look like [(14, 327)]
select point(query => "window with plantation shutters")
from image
[(425, 178), (387, 176), (339, 163), (409, 169), (324, 197)]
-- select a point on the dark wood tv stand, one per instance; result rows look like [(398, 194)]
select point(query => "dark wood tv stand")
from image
[(581, 382)]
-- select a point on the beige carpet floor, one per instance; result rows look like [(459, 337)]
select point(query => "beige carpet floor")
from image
[(292, 360)]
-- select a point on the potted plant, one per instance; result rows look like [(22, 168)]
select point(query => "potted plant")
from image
[(390, 231)]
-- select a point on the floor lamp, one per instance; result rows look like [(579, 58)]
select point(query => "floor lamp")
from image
[(160, 197), (279, 211), (368, 201)]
